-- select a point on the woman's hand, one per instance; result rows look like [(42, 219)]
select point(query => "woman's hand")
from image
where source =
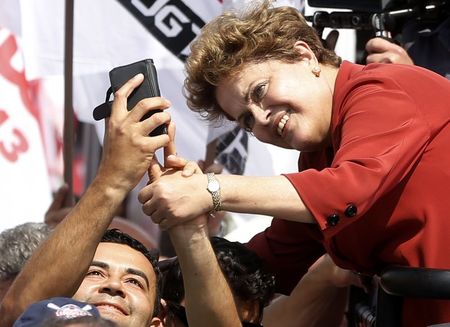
[(172, 198)]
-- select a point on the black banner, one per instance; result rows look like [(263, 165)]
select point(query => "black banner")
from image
[(173, 23)]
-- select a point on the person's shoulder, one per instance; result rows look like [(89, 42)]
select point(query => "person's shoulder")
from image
[(381, 76), (352, 76), (389, 69), (354, 79)]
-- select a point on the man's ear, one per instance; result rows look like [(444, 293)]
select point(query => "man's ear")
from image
[(158, 321), (249, 311)]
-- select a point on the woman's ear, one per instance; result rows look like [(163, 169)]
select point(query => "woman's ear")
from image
[(305, 52)]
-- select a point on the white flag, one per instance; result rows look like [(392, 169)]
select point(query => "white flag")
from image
[(25, 190)]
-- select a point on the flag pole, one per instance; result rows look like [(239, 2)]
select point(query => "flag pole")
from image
[(68, 101)]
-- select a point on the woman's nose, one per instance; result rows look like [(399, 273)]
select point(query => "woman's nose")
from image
[(261, 115)]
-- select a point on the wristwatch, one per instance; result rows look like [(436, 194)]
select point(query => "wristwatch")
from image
[(213, 187)]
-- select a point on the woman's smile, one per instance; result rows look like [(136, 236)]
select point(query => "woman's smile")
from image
[(282, 123)]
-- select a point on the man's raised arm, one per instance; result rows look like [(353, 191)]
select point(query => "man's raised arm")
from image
[(58, 266)]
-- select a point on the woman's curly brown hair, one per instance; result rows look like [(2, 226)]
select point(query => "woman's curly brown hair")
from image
[(231, 40)]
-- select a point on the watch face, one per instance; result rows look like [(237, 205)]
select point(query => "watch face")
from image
[(213, 186)]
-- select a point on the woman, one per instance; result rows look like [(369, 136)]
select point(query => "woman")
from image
[(374, 177)]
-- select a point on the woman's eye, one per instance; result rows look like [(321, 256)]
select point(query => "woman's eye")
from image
[(258, 92)]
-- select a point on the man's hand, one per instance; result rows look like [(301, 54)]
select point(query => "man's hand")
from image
[(57, 211), (128, 150), (383, 51)]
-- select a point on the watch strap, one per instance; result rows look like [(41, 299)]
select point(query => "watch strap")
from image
[(215, 194)]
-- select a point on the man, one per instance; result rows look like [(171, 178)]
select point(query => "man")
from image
[(72, 252), (16, 246), (253, 287), (122, 281)]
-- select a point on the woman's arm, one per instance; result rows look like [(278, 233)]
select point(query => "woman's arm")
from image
[(177, 198)]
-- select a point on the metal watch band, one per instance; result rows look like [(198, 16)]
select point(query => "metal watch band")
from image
[(214, 189)]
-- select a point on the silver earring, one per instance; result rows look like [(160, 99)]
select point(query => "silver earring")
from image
[(316, 71)]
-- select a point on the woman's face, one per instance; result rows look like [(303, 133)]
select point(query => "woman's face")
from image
[(284, 104)]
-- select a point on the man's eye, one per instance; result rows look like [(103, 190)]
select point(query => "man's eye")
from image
[(135, 282), (94, 273)]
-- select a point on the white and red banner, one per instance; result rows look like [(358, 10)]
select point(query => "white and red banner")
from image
[(25, 189)]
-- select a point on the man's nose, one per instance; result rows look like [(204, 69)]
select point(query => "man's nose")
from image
[(113, 287)]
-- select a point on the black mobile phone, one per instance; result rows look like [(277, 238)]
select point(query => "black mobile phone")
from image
[(149, 88)]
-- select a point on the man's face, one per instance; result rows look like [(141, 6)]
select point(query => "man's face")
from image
[(121, 283)]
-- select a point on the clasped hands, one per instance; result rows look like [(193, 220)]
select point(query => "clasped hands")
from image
[(176, 193)]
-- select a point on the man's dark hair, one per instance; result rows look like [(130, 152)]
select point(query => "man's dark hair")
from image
[(242, 268), (117, 236), (244, 271)]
